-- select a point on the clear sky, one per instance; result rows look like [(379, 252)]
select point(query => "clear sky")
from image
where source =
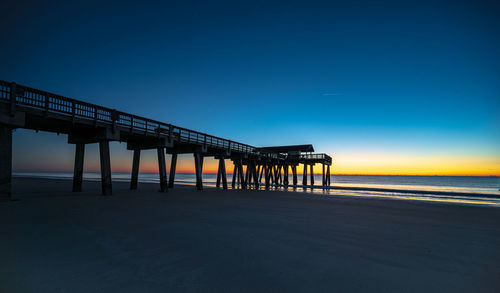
[(385, 87)]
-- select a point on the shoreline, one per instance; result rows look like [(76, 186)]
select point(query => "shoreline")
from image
[(123, 186), (348, 188), (449, 193)]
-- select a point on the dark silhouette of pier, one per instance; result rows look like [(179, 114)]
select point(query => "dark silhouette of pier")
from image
[(84, 123)]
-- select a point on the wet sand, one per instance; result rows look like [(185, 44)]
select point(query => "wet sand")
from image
[(52, 240)]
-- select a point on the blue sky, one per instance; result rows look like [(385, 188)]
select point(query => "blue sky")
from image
[(419, 78)]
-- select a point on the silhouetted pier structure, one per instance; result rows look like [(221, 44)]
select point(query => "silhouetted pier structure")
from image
[(84, 123)]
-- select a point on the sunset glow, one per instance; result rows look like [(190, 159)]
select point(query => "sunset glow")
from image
[(349, 163)]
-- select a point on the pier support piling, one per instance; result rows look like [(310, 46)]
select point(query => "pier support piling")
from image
[(171, 175), (304, 176), (328, 177), (235, 175), (260, 171), (162, 169), (5, 163), (277, 174), (312, 174), (285, 175), (242, 176), (323, 178), (248, 176), (105, 167), (267, 176), (198, 164), (221, 174), (271, 173), (134, 177), (255, 175), (294, 173), (78, 168)]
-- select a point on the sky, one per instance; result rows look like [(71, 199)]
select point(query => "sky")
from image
[(384, 87)]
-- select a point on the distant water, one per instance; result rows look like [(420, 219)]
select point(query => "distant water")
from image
[(479, 190)]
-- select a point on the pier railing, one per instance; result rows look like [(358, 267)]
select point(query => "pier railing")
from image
[(319, 157), (30, 98)]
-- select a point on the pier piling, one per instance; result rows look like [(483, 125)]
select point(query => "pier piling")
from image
[(173, 166), (221, 174), (242, 176), (198, 163), (78, 168), (5, 162), (294, 171), (285, 175), (304, 176), (267, 176), (312, 174), (323, 178), (235, 175), (260, 173), (135, 169), (162, 169), (255, 175), (328, 177), (105, 167)]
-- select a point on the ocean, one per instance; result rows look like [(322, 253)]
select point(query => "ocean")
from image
[(452, 189)]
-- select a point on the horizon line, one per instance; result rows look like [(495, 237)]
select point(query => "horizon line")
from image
[(341, 174)]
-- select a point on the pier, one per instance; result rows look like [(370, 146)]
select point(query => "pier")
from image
[(85, 123)]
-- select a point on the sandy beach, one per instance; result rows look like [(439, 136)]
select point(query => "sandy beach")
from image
[(53, 240)]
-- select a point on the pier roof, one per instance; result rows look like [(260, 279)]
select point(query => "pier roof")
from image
[(287, 148)]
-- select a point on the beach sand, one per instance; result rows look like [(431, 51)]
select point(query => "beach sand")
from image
[(52, 240)]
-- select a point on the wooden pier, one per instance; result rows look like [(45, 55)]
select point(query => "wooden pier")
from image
[(84, 123)]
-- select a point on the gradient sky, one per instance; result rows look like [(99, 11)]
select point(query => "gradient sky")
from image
[(385, 87)]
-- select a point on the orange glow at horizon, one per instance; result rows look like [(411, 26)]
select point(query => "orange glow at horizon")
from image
[(393, 164), (356, 164), (353, 163)]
